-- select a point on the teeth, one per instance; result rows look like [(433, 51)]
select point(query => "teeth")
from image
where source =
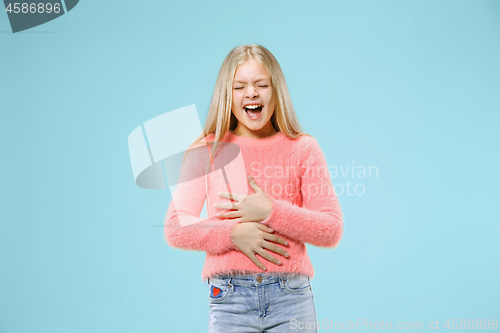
[(252, 106)]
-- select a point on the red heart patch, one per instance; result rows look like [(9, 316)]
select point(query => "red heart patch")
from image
[(216, 291)]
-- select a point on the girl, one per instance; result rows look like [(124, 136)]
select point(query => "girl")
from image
[(288, 201)]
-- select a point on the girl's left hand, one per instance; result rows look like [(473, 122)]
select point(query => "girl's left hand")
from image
[(250, 208)]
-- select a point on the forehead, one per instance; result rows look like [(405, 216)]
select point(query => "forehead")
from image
[(250, 70)]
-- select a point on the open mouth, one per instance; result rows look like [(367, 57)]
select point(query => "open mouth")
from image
[(253, 111)]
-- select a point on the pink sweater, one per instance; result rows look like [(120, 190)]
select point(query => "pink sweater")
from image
[(292, 172)]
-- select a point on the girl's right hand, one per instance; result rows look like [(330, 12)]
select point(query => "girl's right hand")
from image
[(252, 237)]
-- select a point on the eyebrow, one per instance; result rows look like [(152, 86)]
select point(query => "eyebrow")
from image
[(261, 79)]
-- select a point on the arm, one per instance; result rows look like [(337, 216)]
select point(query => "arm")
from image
[(184, 228), (320, 222)]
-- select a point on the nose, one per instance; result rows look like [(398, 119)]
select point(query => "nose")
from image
[(251, 92)]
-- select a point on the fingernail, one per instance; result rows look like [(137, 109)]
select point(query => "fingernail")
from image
[(286, 243), (215, 205), (286, 254), (270, 230), (264, 268), (279, 262)]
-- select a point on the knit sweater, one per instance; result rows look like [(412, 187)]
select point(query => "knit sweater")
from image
[(294, 175)]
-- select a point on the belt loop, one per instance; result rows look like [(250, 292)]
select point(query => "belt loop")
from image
[(230, 285), (282, 283)]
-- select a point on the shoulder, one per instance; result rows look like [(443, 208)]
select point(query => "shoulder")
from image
[(310, 151), (306, 143), (204, 141), (210, 137)]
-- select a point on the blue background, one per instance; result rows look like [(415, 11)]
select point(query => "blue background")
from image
[(411, 87)]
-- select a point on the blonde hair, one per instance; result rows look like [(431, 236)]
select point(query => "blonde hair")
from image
[(220, 118)]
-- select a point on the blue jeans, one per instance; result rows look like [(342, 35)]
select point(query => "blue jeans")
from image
[(263, 302)]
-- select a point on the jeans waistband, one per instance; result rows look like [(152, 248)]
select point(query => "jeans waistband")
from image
[(257, 279)]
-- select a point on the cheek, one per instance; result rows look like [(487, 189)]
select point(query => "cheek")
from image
[(270, 97), (271, 102), (236, 98), (235, 102)]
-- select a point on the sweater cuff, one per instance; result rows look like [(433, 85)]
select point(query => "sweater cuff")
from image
[(225, 236), (275, 219)]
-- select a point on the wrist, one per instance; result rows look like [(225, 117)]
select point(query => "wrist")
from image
[(271, 207), (231, 235), (269, 210)]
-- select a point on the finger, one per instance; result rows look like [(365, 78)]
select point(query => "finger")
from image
[(230, 214), (276, 239), (226, 205), (253, 184), (275, 248), (263, 253), (256, 261), (263, 227), (232, 196)]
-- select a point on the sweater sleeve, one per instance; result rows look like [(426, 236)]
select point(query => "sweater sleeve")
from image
[(184, 228), (320, 222)]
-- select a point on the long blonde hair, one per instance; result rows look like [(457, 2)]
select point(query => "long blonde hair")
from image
[(220, 118)]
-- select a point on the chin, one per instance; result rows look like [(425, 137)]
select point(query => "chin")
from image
[(253, 127)]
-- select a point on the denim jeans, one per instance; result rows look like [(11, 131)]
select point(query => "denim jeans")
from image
[(264, 302)]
